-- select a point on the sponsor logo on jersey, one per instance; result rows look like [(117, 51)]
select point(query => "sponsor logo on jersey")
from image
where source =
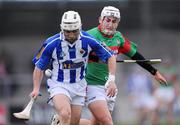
[(71, 65)]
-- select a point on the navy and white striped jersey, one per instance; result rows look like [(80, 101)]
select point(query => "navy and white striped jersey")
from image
[(68, 61)]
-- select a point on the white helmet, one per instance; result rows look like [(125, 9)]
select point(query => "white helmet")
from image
[(71, 20), (110, 11)]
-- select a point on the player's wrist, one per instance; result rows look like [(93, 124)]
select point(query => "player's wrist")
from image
[(153, 71), (111, 77)]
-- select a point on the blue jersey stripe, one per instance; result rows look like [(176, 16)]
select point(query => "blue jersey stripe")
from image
[(84, 48), (72, 52), (60, 77), (82, 73), (72, 76), (59, 51)]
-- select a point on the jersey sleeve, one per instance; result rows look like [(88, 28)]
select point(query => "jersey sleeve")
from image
[(43, 57), (39, 53), (101, 51), (127, 47)]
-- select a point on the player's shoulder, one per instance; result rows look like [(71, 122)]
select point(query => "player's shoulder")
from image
[(88, 38), (52, 40), (118, 34), (86, 35)]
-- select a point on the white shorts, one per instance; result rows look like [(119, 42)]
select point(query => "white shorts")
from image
[(144, 101), (166, 94), (97, 92), (75, 92)]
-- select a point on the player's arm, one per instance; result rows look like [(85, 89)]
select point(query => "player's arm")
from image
[(147, 66), (37, 79), (158, 76), (41, 60), (110, 83), (104, 54), (112, 65), (130, 49), (107, 56)]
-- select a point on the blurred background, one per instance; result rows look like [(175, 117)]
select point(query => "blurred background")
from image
[(154, 25)]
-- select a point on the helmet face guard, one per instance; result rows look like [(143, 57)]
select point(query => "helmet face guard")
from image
[(109, 27), (71, 21)]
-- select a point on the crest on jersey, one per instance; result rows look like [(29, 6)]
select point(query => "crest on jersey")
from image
[(81, 51)]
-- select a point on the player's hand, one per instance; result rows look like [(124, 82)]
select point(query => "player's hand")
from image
[(34, 94), (160, 78), (111, 89)]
